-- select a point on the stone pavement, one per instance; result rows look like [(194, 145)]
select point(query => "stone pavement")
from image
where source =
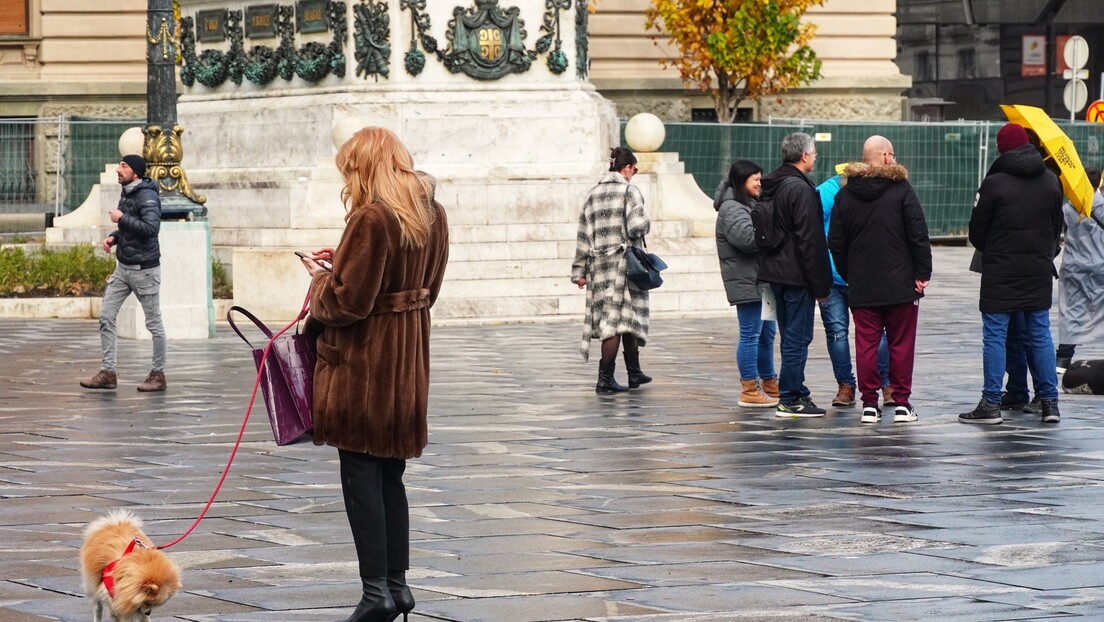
[(537, 500)]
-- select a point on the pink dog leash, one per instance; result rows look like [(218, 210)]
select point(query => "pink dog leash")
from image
[(237, 443)]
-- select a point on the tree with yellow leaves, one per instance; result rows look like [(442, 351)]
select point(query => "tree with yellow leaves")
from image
[(738, 49)]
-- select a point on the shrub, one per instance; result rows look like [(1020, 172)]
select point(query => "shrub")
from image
[(74, 271)]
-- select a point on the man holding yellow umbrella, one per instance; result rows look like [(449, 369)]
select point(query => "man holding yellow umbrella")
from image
[(1060, 151), (1015, 224)]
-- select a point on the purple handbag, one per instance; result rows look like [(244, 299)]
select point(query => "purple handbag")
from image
[(286, 377)]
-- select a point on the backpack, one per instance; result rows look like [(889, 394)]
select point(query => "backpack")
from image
[(770, 235)]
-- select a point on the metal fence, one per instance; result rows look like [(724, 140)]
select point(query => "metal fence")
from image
[(946, 161), (49, 165)]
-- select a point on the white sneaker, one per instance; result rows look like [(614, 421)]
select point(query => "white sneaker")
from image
[(903, 413), (871, 415)]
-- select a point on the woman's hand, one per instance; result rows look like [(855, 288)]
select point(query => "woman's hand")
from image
[(318, 261), (582, 282)]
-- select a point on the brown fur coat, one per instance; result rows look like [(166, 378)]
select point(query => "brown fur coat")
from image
[(371, 384)]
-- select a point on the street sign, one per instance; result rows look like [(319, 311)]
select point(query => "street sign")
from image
[(1075, 95), (1076, 52), (1095, 113)]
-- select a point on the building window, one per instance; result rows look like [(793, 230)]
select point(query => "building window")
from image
[(14, 18)]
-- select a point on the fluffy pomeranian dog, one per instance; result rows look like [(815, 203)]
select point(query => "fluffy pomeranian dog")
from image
[(123, 570)]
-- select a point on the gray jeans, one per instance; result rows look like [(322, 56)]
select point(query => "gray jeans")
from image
[(146, 285)]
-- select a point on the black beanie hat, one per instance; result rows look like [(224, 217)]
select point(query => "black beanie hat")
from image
[(136, 164)]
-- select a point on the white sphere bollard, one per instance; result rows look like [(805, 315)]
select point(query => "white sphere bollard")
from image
[(645, 133), (344, 129), (131, 142)]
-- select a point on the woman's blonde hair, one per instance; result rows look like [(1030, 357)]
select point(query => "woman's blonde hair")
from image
[(377, 168)]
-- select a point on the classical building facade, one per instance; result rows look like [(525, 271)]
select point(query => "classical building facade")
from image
[(72, 57), (854, 40)]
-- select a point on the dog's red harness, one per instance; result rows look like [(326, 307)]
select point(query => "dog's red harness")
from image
[(108, 576)]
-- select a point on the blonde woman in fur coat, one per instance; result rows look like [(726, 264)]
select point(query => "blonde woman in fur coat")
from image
[(371, 384), (612, 219)]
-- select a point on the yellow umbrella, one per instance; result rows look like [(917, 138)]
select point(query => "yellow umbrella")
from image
[(1059, 147)]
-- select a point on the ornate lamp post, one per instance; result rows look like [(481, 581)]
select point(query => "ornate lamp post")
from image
[(163, 149)]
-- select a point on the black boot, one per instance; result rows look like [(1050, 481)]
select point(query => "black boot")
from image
[(606, 382), (376, 604), (400, 593), (632, 364)]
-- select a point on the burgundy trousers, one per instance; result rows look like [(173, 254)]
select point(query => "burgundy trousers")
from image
[(899, 324)]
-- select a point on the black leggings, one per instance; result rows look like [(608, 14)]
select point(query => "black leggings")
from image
[(375, 503), (612, 344)]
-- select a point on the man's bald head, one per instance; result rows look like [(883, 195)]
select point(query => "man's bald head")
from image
[(878, 151)]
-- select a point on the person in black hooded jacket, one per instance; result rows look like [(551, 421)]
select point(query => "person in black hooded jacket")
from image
[(1015, 225), (879, 239), (798, 271)]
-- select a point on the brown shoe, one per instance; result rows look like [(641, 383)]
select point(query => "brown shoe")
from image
[(845, 396), (770, 386), (752, 397), (887, 396), (102, 380), (155, 381)]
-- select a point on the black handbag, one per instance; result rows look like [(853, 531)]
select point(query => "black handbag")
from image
[(641, 267)]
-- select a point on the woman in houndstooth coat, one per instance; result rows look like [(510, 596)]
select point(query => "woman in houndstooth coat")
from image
[(616, 311)]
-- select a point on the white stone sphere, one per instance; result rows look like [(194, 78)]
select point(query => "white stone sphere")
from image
[(344, 129), (132, 142), (645, 133)]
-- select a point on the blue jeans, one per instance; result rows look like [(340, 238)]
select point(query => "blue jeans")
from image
[(835, 317), (1017, 362), (1035, 339), (794, 306), (755, 352)]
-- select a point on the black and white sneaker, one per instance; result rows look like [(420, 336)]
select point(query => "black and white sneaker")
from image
[(903, 413), (802, 407), (871, 414), (985, 412)]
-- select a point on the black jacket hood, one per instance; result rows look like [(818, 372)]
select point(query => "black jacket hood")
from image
[(1022, 162), (871, 182), (774, 180)]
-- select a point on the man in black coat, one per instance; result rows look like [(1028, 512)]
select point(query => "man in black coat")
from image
[(137, 270), (798, 271), (879, 240), (1015, 225)]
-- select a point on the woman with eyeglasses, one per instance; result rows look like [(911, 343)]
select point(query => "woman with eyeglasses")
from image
[(612, 219)]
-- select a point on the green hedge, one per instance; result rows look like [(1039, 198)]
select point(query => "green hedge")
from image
[(75, 271)]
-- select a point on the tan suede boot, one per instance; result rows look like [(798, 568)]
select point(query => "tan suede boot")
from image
[(770, 387), (104, 379), (752, 397), (155, 381), (845, 396)]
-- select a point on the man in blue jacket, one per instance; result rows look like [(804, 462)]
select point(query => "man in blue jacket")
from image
[(797, 271), (137, 271)]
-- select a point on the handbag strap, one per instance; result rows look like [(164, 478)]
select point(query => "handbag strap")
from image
[(625, 219), (256, 322)]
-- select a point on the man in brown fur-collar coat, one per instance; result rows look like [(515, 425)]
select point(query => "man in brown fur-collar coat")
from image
[(879, 240)]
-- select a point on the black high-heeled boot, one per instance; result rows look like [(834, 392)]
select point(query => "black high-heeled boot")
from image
[(400, 593), (632, 364), (375, 604), (606, 382)]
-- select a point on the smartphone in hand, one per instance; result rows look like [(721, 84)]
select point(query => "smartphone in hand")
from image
[(322, 263)]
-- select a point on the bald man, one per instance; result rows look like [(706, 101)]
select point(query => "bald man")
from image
[(879, 240)]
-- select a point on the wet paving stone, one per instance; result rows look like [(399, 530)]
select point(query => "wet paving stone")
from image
[(537, 500)]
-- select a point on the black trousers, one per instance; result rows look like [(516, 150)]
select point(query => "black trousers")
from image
[(375, 503)]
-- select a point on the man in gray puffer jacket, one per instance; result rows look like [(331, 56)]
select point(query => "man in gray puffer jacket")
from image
[(137, 270)]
